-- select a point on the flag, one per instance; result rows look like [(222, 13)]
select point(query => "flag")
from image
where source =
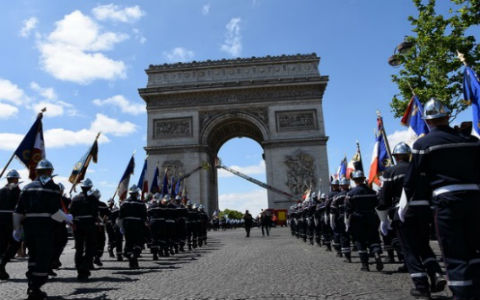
[(356, 163), (342, 169), (471, 93), (177, 186), (123, 185), (80, 168), (165, 183), (32, 148), (413, 119), (154, 187), (142, 181), (380, 159), (172, 187)]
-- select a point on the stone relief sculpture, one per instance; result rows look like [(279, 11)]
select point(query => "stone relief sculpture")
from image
[(177, 127), (300, 172)]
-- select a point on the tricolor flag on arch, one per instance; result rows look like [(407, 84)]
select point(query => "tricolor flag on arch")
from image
[(471, 93), (380, 159), (123, 185), (413, 119)]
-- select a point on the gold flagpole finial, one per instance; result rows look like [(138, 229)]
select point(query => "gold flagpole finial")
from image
[(461, 57)]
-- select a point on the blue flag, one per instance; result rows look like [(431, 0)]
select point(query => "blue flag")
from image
[(413, 118), (165, 184), (177, 186), (32, 148), (142, 181), (342, 169), (154, 188), (471, 93), (123, 185)]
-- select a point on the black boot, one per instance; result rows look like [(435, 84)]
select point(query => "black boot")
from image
[(378, 262), (119, 257), (110, 253), (36, 294), (329, 247), (391, 256), (348, 257), (3, 273), (155, 256), (97, 261), (365, 267), (437, 283), (420, 294)]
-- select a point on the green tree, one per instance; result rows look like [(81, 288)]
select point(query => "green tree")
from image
[(431, 67), (231, 214)]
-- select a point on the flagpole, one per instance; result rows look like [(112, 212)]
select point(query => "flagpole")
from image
[(40, 115), (385, 140), (75, 182)]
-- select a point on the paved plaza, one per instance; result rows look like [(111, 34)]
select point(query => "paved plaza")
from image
[(229, 267)]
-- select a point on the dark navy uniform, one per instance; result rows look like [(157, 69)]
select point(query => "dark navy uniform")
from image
[(181, 226), (115, 236), (360, 204), (327, 232), (60, 235), (204, 220), (133, 214), (38, 202), (156, 218), (9, 196), (84, 209), (449, 163), (103, 213), (340, 235)]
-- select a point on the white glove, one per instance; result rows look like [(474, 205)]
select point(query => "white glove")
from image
[(347, 223), (60, 216), (403, 206), (17, 234), (385, 227), (332, 221)]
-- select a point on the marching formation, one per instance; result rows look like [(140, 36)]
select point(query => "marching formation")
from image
[(41, 211), (436, 182)]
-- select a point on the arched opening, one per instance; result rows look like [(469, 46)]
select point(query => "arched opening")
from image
[(244, 155)]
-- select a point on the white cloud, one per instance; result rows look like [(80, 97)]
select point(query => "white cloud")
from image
[(248, 170), (12, 93), (60, 137), (121, 102), (53, 110), (139, 36), (401, 136), (179, 54), (254, 201), (233, 39), (116, 13), (28, 25), (206, 9), (7, 111), (71, 51), (47, 93)]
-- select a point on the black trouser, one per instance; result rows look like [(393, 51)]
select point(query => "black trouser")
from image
[(118, 244), (342, 237), (364, 228), (8, 246), (265, 228), (159, 236), (133, 237), (39, 241), (85, 247), (414, 236), (391, 243), (457, 218), (60, 237), (247, 229), (100, 240), (318, 229), (111, 236), (181, 231)]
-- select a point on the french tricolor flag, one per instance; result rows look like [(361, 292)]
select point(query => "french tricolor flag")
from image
[(379, 156), (123, 185), (413, 119)]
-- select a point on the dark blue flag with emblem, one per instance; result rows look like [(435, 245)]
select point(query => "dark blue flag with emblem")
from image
[(154, 188), (165, 184), (80, 168), (471, 93), (32, 148)]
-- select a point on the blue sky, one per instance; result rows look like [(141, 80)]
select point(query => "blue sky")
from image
[(85, 60)]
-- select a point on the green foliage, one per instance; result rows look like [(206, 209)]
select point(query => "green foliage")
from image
[(232, 214), (431, 68)]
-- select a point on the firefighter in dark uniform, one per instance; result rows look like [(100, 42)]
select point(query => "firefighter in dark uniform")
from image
[(362, 221), (133, 215), (309, 212), (413, 232), (118, 235), (447, 163), (170, 218), (37, 210), (103, 213), (203, 226), (60, 233), (318, 215), (84, 208), (181, 212), (157, 226), (191, 235), (109, 227), (9, 195), (327, 230), (337, 222)]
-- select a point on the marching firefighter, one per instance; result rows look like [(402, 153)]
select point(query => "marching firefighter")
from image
[(60, 233), (445, 163), (362, 221), (84, 208), (328, 232), (115, 236), (9, 196), (341, 237), (156, 218), (103, 214), (132, 218), (37, 210)]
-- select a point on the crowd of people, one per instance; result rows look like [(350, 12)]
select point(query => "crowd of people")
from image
[(41, 211), (436, 182)]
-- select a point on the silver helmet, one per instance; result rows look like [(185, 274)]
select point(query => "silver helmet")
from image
[(178, 198), (344, 181), (12, 174), (313, 195), (401, 148), (358, 174), (323, 196), (87, 183), (97, 194), (134, 189), (335, 182), (44, 164), (435, 109)]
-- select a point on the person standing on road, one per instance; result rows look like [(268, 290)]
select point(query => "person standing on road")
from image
[(265, 220), (248, 222)]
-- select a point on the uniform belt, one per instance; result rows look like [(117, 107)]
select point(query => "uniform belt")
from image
[(170, 221), (133, 218), (455, 187), (83, 217), (6, 211), (38, 215), (157, 219)]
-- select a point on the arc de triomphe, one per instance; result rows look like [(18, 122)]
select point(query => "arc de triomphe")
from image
[(194, 108)]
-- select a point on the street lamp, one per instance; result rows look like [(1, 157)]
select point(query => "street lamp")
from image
[(397, 58)]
